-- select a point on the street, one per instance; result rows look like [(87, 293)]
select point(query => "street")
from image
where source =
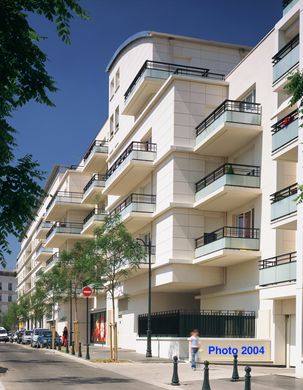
[(32, 369)]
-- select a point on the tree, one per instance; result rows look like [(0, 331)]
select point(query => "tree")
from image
[(23, 311), (294, 87), (116, 254), (9, 320), (24, 78), (38, 301)]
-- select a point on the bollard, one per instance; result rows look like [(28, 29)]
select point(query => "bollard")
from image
[(66, 349), (235, 375), (206, 385), (175, 379), (79, 350), (73, 348), (247, 378), (87, 357)]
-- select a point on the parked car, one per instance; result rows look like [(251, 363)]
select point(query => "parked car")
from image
[(45, 338), (36, 333), (3, 335), (27, 337)]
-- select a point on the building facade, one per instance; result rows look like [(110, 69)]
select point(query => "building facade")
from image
[(201, 154), (8, 284)]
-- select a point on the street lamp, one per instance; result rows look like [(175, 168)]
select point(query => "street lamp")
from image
[(148, 245)]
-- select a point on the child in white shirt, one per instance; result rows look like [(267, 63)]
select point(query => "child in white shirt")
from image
[(194, 344)]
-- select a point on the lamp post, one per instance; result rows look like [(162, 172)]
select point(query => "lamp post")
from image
[(148, 245)]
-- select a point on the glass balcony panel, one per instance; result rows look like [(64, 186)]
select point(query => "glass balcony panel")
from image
[(284, 202), (286, 63), (284, 135), (287, 5), (278, 274), (228, 243)]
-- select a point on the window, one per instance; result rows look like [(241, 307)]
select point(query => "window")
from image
[(10, 298), (250, 97), (111, 88), (111, 127), (117, 118), (0, 285), (10, 287), (245, 223), (117, 77)]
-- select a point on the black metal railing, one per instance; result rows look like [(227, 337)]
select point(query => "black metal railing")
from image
[(92, 213), (95, 143), (71, 197), (228, 105), (95, 177), (285, 50), (284, 122), (210, 323), (134, 198), (132, 147), (227, 232), (53, 258), (278, 260), (228, 169), (284, 193), (69, 227), (171, 69)]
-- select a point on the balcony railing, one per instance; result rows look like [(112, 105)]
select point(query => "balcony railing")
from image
[(284, 193), (95, 213), (286, 58), (210, 323), (285, 130), (278, 269), (240, 175), (133, 147), (232, 106), (229, 233), (145, 199), (65, 228), (283, 202), (99, 146), (53, 259), (287, 5), (162, 70), (96, 179), (65, 197)]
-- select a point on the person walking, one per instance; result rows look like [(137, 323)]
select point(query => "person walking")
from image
[(65, 336), (194, 345)]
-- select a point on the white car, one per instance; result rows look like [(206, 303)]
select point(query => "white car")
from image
[(27, 337), (3, 335)]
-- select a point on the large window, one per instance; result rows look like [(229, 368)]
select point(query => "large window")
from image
[(10, 286), (117, 118), (245, 223), (10, 298)]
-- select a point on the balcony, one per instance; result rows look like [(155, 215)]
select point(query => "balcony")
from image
[(136, 211), (228, 128), (279, 269), (93, 220), (286, 59), (92, 192), (227, 246), (284, 208), (152, 76), (287, 5), (228, 187), (39, 274), (63, 231), (133, 165), (62, 202), (95, 157), (42, 228), (42, 253), (51, 261), (285, 138)]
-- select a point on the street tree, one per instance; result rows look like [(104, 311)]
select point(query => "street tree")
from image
[(38, 302), (9, 320), (116, 255), (23, 311), (24, 78)]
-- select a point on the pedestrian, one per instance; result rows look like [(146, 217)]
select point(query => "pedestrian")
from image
[(194, 345), (65, 336)]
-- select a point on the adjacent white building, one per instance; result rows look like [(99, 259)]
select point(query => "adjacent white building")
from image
[(8, 293), (201, 154)]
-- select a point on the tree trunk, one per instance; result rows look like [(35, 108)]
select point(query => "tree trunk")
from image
[(114, 327)]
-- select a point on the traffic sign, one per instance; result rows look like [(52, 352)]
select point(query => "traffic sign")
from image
[(87, 291)]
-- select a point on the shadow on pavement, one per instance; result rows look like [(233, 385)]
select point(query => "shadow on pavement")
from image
[(69, 380)]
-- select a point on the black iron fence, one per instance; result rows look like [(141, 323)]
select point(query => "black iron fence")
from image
[(94, 178), (134, 198), (278, 260), (171, 69), (54, 258), (284, 122), (66, 227), (228, 169), (284, 193), (227, 232), (99, 211), (95, 143), (210, 323), (228, 105), (285, 50), (64, 196), (132, 147)]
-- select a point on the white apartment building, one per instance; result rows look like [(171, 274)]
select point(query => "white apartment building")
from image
[(201, 153), (7, 289)]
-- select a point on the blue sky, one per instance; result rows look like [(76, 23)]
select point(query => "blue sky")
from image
[(62, 134)]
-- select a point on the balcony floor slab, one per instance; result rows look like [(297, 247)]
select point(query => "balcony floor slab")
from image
[(227, 257)]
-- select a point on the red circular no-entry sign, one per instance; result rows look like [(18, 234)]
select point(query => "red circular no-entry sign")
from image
[(87, 291)]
